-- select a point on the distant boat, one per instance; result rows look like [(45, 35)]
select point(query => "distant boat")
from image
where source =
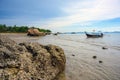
[(94, 34), (73, 33), (55, 34)]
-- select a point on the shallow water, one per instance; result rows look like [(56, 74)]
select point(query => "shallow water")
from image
[(79, 52)]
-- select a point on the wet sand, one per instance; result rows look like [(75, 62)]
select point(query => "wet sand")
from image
[(20, 37), (80, 62), (79, 55)]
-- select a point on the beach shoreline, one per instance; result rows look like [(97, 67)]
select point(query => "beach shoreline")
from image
[(79, 53), (21, 37)]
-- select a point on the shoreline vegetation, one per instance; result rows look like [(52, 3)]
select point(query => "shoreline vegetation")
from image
[(19, 29)]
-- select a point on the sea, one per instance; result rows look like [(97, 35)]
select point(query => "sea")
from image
[(85, 57)]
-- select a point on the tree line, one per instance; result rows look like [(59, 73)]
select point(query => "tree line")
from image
[(18, 29)]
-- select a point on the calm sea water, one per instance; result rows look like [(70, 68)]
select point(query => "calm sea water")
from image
[(110, 40), (82, 66)]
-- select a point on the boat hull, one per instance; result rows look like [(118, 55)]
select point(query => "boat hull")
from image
[(94, 35)]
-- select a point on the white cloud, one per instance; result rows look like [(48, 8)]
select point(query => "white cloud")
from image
[(81, 12), (94, 9)]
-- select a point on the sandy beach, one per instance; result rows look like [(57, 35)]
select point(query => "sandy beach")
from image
[(79, 53), (21, 37)]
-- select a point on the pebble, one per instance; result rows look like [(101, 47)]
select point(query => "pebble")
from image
[(94, 57), (100, 61), (104, 48), (73, 55)]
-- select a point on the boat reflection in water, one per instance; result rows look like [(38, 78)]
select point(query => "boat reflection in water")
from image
[(94, 34)]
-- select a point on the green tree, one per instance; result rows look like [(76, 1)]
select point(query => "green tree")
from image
[(4, 28)]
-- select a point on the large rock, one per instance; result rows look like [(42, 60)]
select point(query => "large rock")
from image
[(30, 61), (34, 32)]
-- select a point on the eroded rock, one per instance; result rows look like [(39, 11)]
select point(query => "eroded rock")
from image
[(35, 32), (30, 61)]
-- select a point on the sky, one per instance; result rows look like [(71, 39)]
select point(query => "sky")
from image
[(62, 15)]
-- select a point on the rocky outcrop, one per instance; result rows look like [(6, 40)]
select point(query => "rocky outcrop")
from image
[(30, 61), (35, 32)]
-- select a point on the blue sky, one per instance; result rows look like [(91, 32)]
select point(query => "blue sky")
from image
[(62, 15)]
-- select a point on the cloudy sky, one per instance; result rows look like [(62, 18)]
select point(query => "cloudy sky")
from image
[(62, 15)]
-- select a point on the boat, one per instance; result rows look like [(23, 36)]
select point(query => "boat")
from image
[(94, 34), (55, 34)]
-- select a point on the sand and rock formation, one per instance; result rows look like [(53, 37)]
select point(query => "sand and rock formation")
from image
[(35, 32), (30, 61)]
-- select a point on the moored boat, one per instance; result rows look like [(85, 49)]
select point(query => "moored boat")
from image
[(94, 35)]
